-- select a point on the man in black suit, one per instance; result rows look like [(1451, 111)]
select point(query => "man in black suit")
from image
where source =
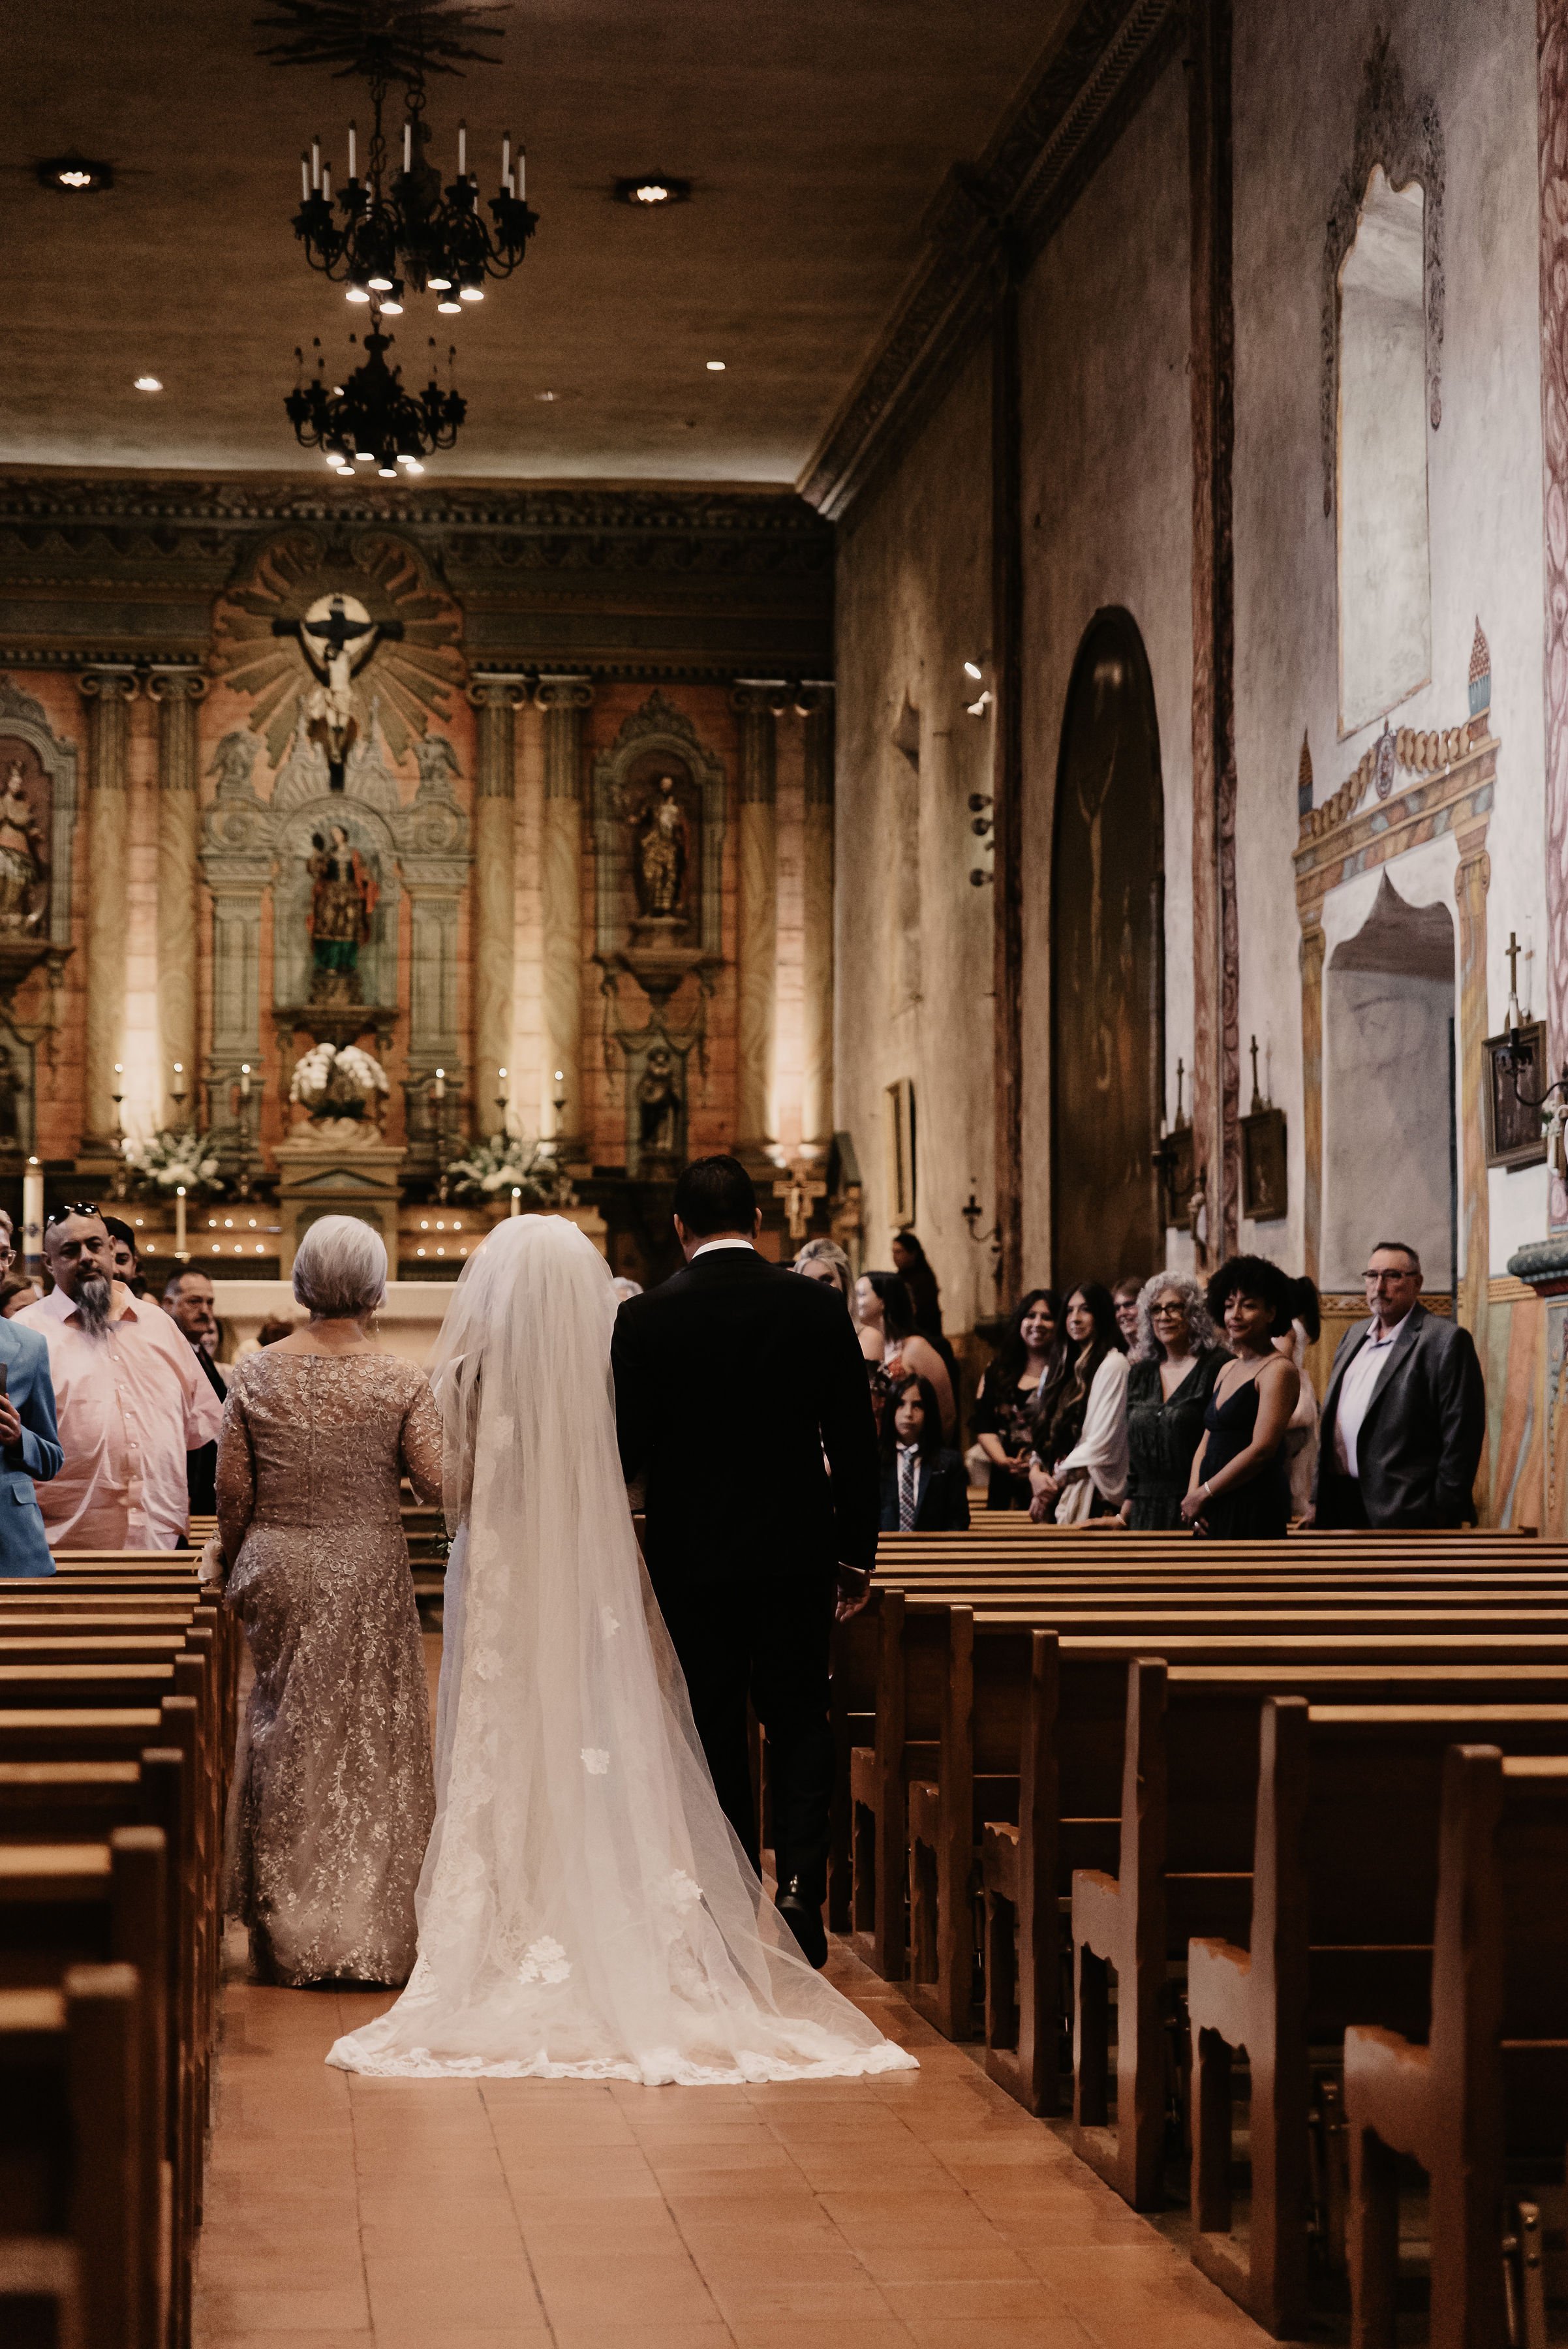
[(732, 1382), (191, 1303), (1405, 1419)]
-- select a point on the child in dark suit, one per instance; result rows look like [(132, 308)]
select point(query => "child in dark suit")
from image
[(924, 1488)]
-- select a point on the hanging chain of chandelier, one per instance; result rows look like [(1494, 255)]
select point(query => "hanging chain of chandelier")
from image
[(386, 236)]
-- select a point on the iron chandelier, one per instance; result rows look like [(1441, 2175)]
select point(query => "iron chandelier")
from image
[(369, 419)]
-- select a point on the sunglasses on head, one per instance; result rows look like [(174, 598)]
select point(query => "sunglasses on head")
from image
[(72, 1207)]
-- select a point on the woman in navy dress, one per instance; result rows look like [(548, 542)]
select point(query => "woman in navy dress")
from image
[(1241, 1488)]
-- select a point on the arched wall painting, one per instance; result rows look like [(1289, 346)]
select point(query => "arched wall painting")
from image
[(1108, 926)]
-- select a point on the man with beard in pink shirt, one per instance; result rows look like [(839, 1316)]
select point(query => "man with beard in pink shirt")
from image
[(130, 1399)]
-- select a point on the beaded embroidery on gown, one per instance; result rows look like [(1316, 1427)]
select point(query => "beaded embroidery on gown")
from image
[(586, 1910), (332, 1793)]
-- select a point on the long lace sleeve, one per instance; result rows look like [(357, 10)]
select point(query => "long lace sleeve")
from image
[(236, 1474), (421, 1443)]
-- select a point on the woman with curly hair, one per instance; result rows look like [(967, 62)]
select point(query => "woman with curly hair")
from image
[(1175, 1358), (1240, 1486)]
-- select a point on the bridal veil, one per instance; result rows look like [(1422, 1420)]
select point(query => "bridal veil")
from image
[(585, 1910)]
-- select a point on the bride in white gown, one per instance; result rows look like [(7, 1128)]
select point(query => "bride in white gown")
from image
[(585, 1910)]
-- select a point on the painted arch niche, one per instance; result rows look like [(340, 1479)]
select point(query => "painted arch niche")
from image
[(1388, 1060), (1107, 967)]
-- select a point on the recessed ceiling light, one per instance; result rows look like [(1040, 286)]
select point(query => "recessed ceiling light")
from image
[(715, 367), (148, 383), (74, 175), (650, 190)]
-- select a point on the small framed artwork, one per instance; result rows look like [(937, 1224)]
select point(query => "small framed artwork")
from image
[(1264, 1183), (900, 1143), (1176, 1162), (1513, 1132)]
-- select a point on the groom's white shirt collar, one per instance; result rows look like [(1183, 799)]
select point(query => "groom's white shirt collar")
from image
[(709, 1245)]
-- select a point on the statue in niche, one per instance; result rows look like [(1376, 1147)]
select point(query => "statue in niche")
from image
[(663, 856), (21, 857), (343, 898), (659, 1107)]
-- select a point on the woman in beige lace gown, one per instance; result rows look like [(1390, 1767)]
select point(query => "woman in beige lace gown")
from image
[(333, 1797)]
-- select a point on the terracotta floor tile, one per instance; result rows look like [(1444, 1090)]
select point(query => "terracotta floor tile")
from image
[(258, 2308), (1053, 2332), (820, 2332), (588, 2333), (916, 2260), (974, 2301), (453, 2288)]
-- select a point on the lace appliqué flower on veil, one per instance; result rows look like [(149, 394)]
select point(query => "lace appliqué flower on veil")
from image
[(609, 1621), (685, 1892), (595, 1761), (487, 1663), (544, 1960)]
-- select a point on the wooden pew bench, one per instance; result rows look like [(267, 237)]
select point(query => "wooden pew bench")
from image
[(1484, 2104), (69, 2214)]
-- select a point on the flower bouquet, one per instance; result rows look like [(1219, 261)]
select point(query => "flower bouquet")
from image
[(505, 1163), (337, 1080), (170, 1159)]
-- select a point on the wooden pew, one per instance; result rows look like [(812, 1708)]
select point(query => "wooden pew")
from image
[(1491, 2085), (1345, 1876), (69, 2084), (65, 1904)]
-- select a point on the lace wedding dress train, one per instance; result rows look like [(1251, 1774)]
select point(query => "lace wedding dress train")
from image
[(585, 1910)]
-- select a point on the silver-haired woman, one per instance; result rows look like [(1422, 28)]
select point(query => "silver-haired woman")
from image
[(333, 1797), (1175, 1362)]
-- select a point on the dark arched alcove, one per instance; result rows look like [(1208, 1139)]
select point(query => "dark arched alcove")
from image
[(1107, 942)]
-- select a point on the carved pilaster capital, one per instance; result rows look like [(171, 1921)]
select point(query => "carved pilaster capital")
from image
[(506, 693), (753, 699), (177, 686), (108, 685), (564, 693)]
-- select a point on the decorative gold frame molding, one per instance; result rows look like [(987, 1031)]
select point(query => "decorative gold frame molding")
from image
[(1423, 784)]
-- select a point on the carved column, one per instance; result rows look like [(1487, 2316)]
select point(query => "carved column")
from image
[(563, 700), (816, 929), (176, 697), (1312, 954), (1470, 884), (107, 694), (495, 904), (1216, 953), (756, 924)]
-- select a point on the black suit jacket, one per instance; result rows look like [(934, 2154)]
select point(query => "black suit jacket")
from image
[(941, 1495), (1420, 1443), (731, 1381), (202, 1466)]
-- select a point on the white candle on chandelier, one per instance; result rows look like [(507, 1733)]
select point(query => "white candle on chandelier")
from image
[(327, 182), (522, 173), (305, 179), (462, 150), (408, 146), (353, 150), (316, 163), (507, 160)]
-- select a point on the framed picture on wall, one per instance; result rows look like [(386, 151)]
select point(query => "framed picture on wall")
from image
[(900, 1145), (1513, 1134), (1175, 1166), (1264, 1183)]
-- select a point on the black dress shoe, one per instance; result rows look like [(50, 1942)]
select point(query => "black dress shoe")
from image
[(803, 1917)]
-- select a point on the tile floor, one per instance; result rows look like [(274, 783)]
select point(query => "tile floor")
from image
[(923, 2211)]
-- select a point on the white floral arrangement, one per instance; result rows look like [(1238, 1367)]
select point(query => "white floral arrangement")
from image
[(337, 1080), (170, 1158), (505, 1164)]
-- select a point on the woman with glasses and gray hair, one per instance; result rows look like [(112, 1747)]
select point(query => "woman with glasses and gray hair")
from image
[(1175, 1362), (333, 1795)]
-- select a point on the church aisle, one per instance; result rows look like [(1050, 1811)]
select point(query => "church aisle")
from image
[(923, 2212)]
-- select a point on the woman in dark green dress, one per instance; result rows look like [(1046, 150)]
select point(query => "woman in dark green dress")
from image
[(1175, 1364)]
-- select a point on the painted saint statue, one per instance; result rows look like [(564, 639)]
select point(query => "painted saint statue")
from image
[(662, 854), (342, 900), (21, 857)]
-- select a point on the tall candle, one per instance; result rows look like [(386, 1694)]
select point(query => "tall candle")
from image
[(462, 150), (408, 146), (305, 179), (245, 1081), (316, 163), (505, 1086), (439, 1088), (353, 149), (180, 1248), (517, 1200), (522, 172), (32, 1209)]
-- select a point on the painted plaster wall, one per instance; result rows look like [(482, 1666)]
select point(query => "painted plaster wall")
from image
[(1105, 331), (1294, 136), (913, 604)]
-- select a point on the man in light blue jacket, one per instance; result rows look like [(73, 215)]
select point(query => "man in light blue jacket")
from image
[(30, 1449)]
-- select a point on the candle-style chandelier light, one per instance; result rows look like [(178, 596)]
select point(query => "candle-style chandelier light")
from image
[(369, 419), (386, 233)]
